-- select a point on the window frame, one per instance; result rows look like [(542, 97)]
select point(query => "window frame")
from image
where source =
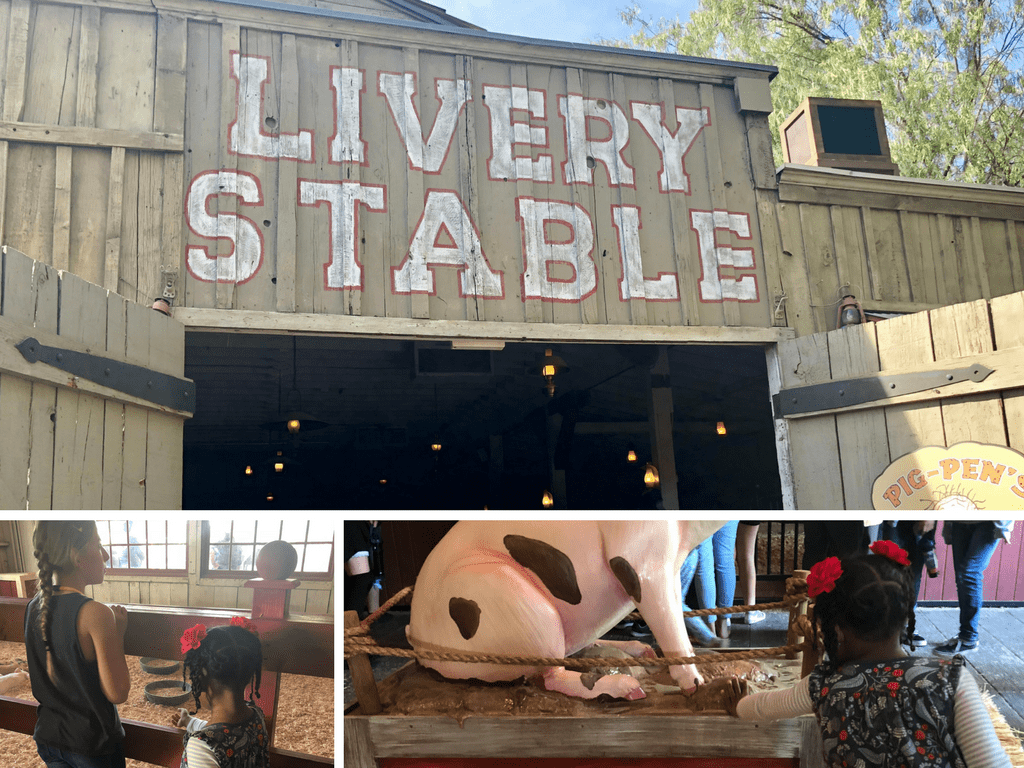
[(129, 571), (205, 572)]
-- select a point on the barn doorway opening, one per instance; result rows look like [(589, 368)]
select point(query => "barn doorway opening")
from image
[(379, 406)]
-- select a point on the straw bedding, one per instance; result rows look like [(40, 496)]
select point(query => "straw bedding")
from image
[(305, 713)]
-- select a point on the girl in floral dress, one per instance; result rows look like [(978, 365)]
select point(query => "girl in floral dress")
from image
[(877, 705), (220, 664)]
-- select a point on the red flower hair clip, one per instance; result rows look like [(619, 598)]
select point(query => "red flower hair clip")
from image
[(191, 638), (823, 576), (244, 623), (891, 550)]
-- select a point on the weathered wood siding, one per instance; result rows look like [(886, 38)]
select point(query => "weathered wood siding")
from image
[(898, 245), (71, 443), (835, 456), (118, 118), (1004, 577)]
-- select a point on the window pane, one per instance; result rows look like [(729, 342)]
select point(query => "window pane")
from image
[(158, 557), (318, 558), (294, 530), (177, 531), (241, 558), (244, 532), (220, 557), (220, 531), (137, 556), (118, 532), (299, 550), (321, 529), (118, 557), (267, 530), (176, 557), (156, 531)]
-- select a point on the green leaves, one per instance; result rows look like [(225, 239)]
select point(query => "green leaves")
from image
[(948, 72)]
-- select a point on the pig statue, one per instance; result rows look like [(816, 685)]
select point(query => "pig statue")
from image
[(551, 588)]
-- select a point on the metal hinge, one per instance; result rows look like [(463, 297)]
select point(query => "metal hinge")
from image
[(839, 394), (159, 388)]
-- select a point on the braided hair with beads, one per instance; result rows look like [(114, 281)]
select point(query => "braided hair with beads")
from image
[(52, 545), (873, 598), (226, 657)]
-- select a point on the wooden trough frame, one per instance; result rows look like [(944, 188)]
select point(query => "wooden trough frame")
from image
[(593, 741), (293, 646)]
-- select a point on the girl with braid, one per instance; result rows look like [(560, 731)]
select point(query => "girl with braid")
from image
[(75, 649), (221, 663), (877, 705)]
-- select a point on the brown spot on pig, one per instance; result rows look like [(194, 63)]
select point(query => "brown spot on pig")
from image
[(553, 567), (589, 679), (466, 615), (627, 577)]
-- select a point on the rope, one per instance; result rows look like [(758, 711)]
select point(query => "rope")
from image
[(358, 640)]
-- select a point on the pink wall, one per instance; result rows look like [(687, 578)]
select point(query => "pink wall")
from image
[(1004, 578)]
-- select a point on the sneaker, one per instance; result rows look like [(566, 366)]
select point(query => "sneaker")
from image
[(640, 629), (914, 641), (954, 646), (750, 617), (710, 642)]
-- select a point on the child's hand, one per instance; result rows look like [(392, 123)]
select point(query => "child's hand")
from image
[(120, 618), (736, 690), (181, 719)]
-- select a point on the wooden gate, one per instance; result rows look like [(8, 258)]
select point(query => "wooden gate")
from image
[(830, 457), (70, 442)]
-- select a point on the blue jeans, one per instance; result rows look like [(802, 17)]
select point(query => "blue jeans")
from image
[(59, 758), (973, 545), (696, 627)]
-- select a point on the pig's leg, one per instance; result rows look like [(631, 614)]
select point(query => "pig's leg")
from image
[(634, 648), (590, 685), (662, 610)]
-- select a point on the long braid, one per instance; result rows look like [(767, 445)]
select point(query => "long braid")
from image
[(46, 606)]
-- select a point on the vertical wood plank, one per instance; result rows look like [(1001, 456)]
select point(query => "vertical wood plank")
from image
[(61, 248), (17, 60), (169, 88), (792, 267), (771, 248), (231, 41), (981, 258), (136, 418), (114, 412), (1008, 330), (288, 179), (149, 215), (419, 304), (88, 66), (164, 470), (115, 193), (3, 191), (853, 352), (814, 449), (713, 158)]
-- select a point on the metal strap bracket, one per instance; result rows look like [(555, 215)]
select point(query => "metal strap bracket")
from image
[(849, 392), (159, 388)]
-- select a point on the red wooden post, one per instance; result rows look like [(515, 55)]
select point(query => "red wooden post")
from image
[(270, 598)]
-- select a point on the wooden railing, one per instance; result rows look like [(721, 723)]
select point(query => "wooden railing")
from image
[(299, 646)]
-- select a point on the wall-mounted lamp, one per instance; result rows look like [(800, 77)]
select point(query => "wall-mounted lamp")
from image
[(651, 479), (850, 312), (551, 364), (547, 500), (720, 429)]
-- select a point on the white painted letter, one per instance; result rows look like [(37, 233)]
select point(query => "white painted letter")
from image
[(505, 134), (245, 135), (579, 146), (428, 155), (347, 145), (444, 216), (343, 271), (246, 254), (540, 252), (713, 287), (672, 146), (633, 284)]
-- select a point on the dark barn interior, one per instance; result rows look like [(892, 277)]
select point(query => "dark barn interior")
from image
[(370, 411)]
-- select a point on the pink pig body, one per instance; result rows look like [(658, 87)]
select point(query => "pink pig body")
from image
[(552, 588)]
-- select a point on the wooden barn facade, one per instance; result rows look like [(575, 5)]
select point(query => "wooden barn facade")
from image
[(380, 219)]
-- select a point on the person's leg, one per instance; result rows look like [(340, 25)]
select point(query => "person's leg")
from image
[(903, 535), (973, 546), (697, 629), (746, 546), (704, 579), (723, 545), (58, 758)]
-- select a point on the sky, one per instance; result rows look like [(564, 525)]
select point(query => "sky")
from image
[(573, 21)]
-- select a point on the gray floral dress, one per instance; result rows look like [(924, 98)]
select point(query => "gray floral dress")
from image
[(242, 745), (897, 714)]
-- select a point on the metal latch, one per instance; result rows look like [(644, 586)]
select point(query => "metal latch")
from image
[(135, 380), (839, 394)]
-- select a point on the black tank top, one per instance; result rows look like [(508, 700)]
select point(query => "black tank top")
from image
[(73, 712)]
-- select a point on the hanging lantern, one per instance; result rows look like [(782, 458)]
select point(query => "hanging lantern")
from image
[(551, 364), (435, 446), (850, 312), (651, 479), (547, 500), (248, 469), (631, 456), (720, 428)]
